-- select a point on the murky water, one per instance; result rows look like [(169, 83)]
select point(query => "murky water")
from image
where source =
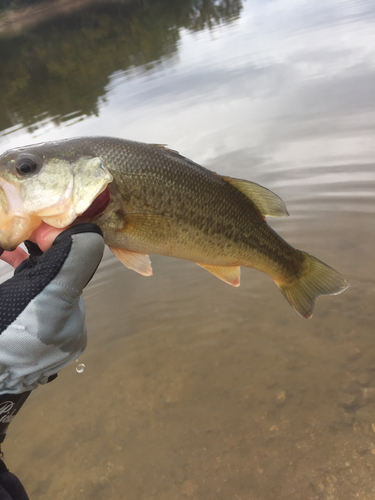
[(191, 388)]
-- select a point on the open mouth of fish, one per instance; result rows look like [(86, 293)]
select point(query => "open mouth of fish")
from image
[(96, 208)]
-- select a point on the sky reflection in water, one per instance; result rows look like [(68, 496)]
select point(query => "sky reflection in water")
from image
[(292, 82)]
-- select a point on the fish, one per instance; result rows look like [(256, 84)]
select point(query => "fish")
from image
[(149, 199)]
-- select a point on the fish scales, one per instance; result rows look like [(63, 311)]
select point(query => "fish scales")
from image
[(195, 198), (158, 202)]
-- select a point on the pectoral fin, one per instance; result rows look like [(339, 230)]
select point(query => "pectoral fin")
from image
[(230, 274), (268, 203), (138, 262)]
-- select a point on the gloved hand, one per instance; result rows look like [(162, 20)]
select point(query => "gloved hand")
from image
[(42, 313)]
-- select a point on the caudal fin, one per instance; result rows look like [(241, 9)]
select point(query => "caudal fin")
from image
[(316, 279)]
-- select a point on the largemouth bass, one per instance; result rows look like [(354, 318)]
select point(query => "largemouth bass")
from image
[(148, 199)]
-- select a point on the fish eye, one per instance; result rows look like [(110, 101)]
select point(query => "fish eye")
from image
[(26, 166)]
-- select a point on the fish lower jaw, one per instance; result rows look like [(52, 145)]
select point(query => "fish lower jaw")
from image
[(16, 230)]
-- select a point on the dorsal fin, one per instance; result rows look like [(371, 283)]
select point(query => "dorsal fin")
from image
[(268, 203), (165, 148)]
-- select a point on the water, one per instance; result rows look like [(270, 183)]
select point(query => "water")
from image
[(80, 368), (196, 389)]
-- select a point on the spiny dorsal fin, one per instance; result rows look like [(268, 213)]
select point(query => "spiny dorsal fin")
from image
[(229, 274), (139, 262), (165, 148), (268, 203)]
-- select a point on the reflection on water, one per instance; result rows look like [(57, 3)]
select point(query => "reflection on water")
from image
[(191, 388), (60, 70)]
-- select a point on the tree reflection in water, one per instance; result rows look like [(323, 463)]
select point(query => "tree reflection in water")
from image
[(61, 67)]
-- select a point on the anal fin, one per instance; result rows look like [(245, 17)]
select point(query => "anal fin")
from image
[(138, 262), (229, 274)]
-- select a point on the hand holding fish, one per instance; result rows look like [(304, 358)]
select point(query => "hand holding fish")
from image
[(42, 318), (42, 313), (43, 236), (148, 199)]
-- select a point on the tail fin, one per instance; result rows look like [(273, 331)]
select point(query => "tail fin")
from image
[(316, 279)]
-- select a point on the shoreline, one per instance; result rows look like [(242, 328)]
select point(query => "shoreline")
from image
[(13, 21)]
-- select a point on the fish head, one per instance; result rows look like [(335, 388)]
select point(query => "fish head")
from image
[(45, 184)]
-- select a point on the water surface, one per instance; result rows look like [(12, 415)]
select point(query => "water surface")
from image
[(194, 389)]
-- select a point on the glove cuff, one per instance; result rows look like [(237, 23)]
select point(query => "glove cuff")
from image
[(10, 404)]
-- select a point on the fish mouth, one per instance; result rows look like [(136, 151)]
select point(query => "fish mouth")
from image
[(13, 233), (96, 208)]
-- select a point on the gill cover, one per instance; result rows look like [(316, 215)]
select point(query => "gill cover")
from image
[(87, 178)]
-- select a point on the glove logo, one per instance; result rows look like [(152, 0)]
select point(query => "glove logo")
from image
[(5, 409)]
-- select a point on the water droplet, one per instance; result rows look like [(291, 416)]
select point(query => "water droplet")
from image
[(80, 368)]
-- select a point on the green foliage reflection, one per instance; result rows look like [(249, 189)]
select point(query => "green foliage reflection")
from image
[(61, 68)]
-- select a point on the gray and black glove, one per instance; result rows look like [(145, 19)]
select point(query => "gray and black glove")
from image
[(42, 314)]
